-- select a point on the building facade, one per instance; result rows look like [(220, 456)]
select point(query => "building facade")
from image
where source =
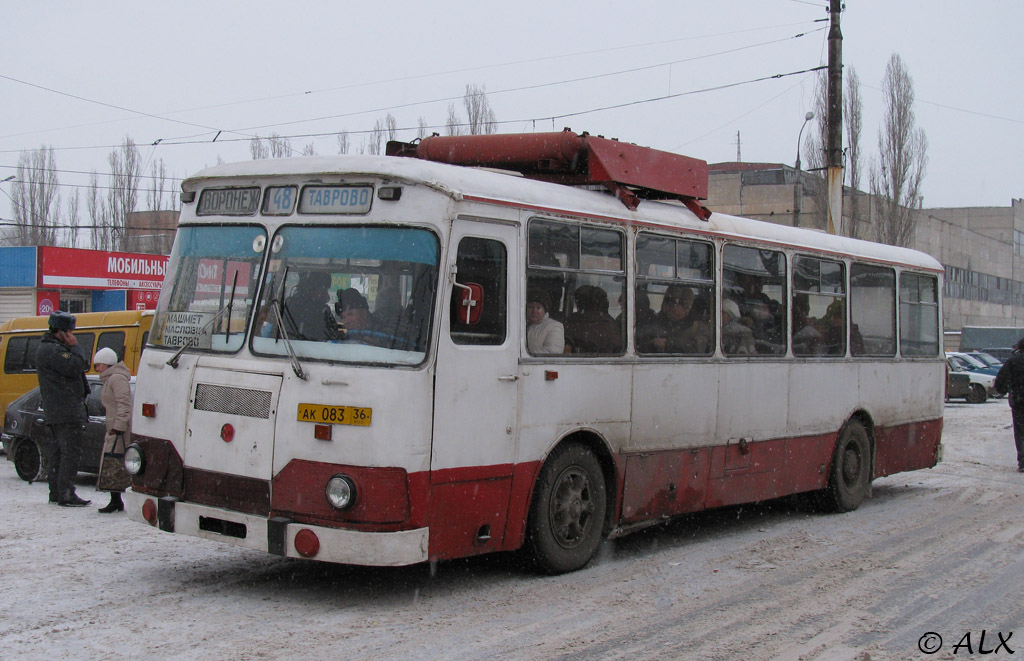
[(982, 248), (38, 280)]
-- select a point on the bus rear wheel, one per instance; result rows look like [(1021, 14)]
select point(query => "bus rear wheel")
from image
[(567, 516), (850, 478)]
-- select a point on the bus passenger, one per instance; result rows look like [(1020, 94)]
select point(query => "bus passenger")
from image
[(359, 323), (544, 335), (306, 314), (737, 338), (591, 329), (682, 326), (807, 339)]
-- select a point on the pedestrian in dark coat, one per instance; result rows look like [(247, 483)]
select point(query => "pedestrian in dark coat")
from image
[(1010, 380), (61, 368)]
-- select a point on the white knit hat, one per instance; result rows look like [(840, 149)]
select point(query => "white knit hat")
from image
[(106, 355)]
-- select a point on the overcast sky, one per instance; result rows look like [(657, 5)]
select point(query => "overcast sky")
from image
[(81, 76)]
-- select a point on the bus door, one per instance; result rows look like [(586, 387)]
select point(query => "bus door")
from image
[(476, 392)]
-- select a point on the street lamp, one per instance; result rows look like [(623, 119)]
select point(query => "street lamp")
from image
[(10, 178), (798, 185)]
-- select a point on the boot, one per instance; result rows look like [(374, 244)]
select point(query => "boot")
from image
[(73, 501), (115, 504)]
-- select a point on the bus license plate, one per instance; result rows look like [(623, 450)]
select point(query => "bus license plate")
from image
[(335, 415)]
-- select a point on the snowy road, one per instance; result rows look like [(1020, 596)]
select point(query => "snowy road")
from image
[(938, 551)]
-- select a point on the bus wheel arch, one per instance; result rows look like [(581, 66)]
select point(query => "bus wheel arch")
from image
[(571, 505), (852, 467)]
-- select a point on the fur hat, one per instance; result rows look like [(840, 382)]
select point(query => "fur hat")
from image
[(62, 321), (539, 296), (106, 356)]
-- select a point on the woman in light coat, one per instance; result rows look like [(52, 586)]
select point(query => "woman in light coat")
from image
[(117, 400)]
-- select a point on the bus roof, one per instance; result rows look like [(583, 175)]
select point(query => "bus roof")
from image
[(83, 320), (512, 190)]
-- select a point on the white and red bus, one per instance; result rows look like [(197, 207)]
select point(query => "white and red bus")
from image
[(339, 367)]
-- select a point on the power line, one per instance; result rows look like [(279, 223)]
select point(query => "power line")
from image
[(401, 78), (242, 131)]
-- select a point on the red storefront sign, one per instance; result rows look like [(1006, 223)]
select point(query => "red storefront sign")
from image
[(47, 302), (142, 300), (72, 268)]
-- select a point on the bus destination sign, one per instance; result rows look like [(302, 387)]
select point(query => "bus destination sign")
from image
[(229, 201), (336, 199)]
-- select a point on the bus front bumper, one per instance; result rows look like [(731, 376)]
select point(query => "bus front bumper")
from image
[(278, 535)]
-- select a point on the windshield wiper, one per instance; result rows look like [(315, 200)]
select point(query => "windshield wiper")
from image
[(276, 306), (173, 361)]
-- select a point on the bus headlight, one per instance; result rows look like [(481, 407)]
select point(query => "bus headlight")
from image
[(133, 460), (341, 492)]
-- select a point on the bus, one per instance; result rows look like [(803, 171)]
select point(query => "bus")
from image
[(124, 331), (340, 366)]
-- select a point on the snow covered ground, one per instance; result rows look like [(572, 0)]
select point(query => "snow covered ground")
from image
[(938, 551)]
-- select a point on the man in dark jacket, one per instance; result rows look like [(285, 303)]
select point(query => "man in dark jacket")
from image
[(1011, 380), (61, 368)]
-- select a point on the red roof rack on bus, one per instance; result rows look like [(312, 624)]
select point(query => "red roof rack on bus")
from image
[(632, 173)]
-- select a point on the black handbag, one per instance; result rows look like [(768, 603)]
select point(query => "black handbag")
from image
[(113, 476)]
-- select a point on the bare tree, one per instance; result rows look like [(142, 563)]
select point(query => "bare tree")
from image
[(478, 111), (157, 185), (36, 198), (122, 197), (373, 140), (258, 148), (309, 150), (280, 146), (421, 131), (344, 143), (814, 155), (391, 127), (852, 118), (452, 125), (98, 216), (902, 158), (73, 221)]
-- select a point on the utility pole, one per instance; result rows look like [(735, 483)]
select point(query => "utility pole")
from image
[(834, 149)]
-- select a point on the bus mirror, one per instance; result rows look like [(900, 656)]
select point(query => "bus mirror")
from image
[(471, 303)]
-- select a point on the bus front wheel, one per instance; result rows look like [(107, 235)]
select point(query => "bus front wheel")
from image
[(850, 478), (567, 516)]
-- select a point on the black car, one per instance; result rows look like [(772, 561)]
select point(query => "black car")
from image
[(26, 437)]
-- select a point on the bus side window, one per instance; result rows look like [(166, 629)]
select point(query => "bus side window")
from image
[(483, 262), (755, 280), (15, 356), (919, 315), (85, 343), (873, 310), (113, 340)]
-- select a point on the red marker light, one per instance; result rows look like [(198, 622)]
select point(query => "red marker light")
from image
[(307, 543), (149, 511), (322, 432), (227, 433), (149, 410)]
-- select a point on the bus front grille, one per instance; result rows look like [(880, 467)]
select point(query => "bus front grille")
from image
[(234, 401)]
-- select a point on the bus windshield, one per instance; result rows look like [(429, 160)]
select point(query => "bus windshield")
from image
[(348, 294), (213, 272)]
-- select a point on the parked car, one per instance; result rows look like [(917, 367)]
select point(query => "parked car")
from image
[(1000, 353), (26, 439), (958, 386), (989, 360), (982, 385), (971, 364)]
